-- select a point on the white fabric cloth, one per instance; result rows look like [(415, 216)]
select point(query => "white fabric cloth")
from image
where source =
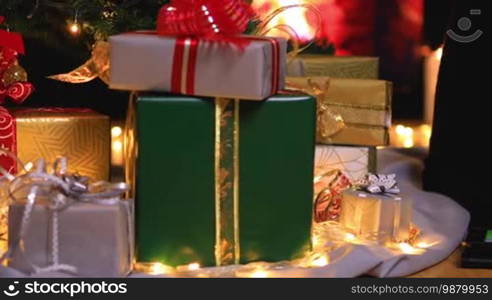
[(442, 221)]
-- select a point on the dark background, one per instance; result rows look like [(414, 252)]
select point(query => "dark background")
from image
[(387, 38)]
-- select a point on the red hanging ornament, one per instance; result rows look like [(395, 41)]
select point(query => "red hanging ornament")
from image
[(13, 78), (205, 18)]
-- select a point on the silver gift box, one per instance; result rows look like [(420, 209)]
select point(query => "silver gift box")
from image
[(144, 62), (96, 239)]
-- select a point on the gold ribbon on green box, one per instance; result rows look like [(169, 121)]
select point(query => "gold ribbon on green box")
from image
[(227, 181), (226, 174)]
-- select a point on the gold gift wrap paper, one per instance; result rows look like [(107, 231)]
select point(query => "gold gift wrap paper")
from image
[(364, 105), (355, 162), (83, 136), (334, 66), (376, 217)]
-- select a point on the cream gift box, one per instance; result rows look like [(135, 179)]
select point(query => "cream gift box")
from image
[(376, 217)]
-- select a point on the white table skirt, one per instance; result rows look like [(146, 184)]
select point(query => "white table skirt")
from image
[(442, 221)]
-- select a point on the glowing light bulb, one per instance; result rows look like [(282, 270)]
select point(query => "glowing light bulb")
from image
[(409, 249), (405, 135), (400, 129), (74, 28), (159, 269), (193, 266), (190, 267), (320, 261), (350, 237), (116, 131), (28, 166), (425, 245), (258, 274), (117, 146)]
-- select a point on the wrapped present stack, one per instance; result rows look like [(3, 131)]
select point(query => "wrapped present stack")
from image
[(63, 217), (353, 118), (222, 162)]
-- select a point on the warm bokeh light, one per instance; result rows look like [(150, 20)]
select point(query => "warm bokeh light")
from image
[(416, 135), (116, 131), (74, 28), (189, 267), (425, 245), (117, 145), (350, 237), (193, 266), (320, 261), (258, 274), (157, 269), (406, 135), (28, 166), (295, 18), (409, 249)]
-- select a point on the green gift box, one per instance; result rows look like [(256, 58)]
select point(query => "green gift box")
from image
[(223, 181)]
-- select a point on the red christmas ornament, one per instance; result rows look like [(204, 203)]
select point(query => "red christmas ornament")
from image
[(13, 78), (204, 18)]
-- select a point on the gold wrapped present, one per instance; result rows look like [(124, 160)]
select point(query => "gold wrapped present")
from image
[(350, 111), (334, 66), (81, 135)]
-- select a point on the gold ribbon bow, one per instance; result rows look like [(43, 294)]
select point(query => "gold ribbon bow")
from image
[(328, 122)]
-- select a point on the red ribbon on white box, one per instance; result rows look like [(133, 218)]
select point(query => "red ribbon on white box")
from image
[(185, 59)]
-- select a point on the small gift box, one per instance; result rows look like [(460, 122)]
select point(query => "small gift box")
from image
[(222, 181), (245, 67), (360, 108), (334, 66), (377, 213), (81, 135), (81, 229)]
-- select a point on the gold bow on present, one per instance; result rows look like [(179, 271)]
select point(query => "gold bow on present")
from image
[(328, 122)]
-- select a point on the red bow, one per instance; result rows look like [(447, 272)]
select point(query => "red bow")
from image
[(11, 40), (11, 44), (204, 18)]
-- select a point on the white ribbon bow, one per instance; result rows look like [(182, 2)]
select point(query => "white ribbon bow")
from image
[(380, 184)]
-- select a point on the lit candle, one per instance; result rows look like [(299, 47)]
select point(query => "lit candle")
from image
[(431, 70)]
